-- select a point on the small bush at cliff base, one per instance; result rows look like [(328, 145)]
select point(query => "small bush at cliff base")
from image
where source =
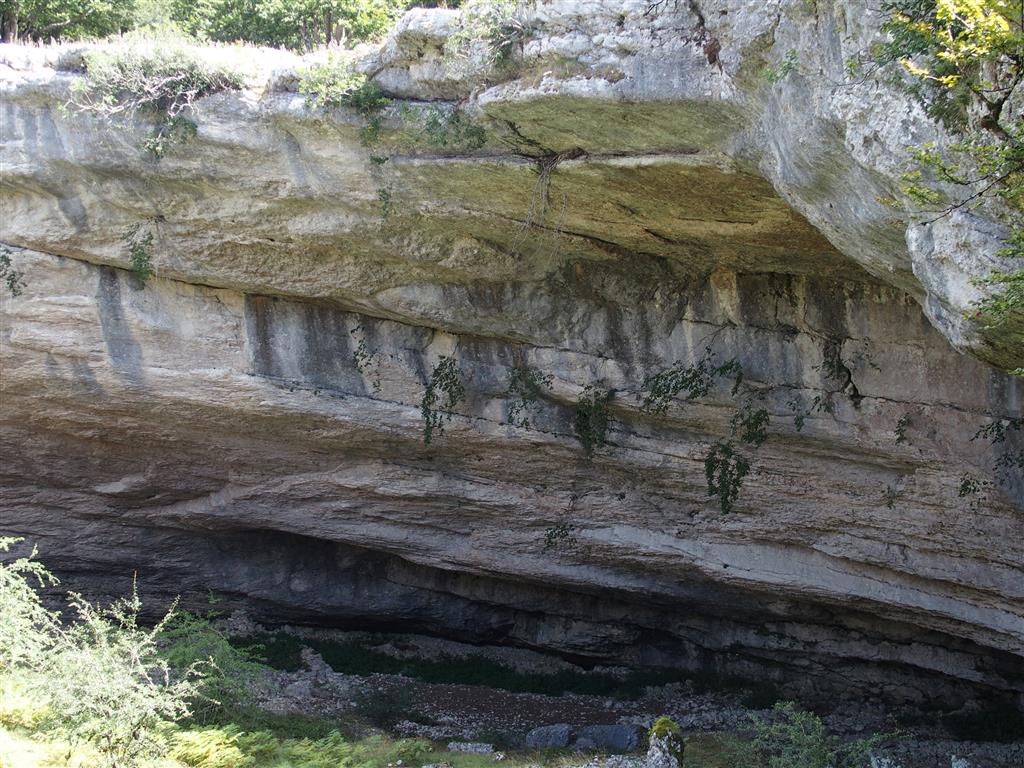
[(793, 738), (27, 627), (230, 670)]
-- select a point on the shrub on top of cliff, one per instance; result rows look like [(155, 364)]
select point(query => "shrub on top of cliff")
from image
[(157, 76), (793, 738), (490, 33), (590, 423), (334, 84), (444, 391)]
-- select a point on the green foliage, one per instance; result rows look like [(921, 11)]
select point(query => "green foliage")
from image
[(27, 628), (106, 683), (231, 747), (445, 128), (665, 726), (890, 496), (671, 735), (334, 84), (525, 386), (900, 433), (444, 391), (965, 59), (750, 424), (973, 490), (590, 423), (11, 277), (139, 253), (725, 470), (793, 738), (1010, 460), (230, 671), (559, 537), (999, 309), (42, 20), (366, 362), (489, 35), (356, 658), (294, 24), (780, 72), (692, 381), (99, 679), (386, 708), (156, 76), (384, 199)]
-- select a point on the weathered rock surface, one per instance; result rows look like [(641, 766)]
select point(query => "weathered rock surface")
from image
[(643, 195)]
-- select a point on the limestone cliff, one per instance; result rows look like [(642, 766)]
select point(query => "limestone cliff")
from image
[(250, 421)]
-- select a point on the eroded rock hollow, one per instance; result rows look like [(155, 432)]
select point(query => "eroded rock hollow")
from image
[(249, 422)]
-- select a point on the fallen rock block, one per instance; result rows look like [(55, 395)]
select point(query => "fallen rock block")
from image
[(616, 738), (549, 736)]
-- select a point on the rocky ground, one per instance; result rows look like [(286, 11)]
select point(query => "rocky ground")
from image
[(492, 720)]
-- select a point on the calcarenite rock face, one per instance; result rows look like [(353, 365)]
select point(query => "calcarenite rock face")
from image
[(643, 194)]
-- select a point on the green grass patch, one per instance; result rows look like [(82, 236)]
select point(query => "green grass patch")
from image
[(282, 651)]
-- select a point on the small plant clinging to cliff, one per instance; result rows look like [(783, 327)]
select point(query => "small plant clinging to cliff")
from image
[(590, 423), (559, 537), (776, 74), (156, 76), (334, 84), (725, 470), (1010, 460), (900, 433), (692, 381), (365, 361), (444, 392), (140, 256), (525, 386), (724, 467), (444, 128), (10, 276)]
